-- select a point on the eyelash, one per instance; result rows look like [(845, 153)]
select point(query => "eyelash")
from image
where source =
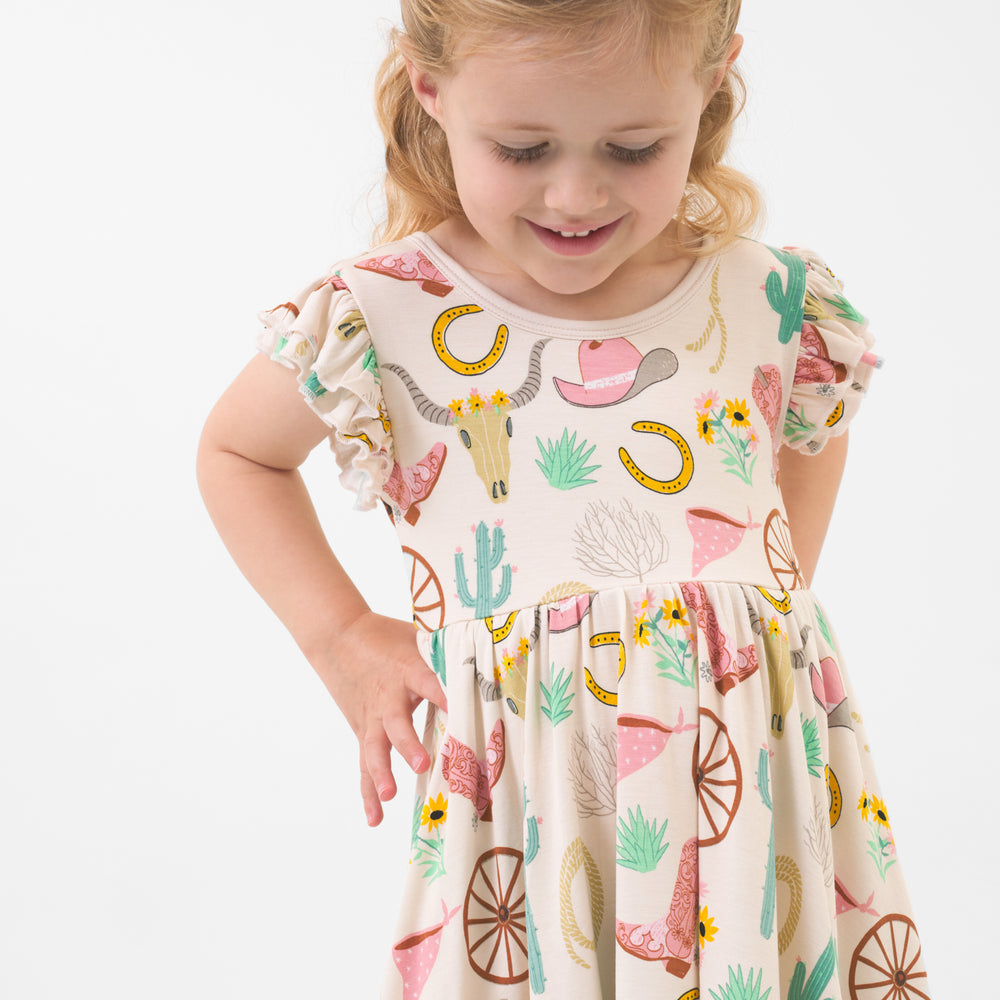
[(509, 154)]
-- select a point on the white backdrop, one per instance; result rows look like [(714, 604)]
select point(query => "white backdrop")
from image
[(178, 803)]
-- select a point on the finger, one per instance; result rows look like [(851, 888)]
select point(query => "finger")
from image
[(424, 682), (376, 754), (373, 808), (402, 735)]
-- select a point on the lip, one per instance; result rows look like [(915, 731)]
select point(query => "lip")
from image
[(574, 246)]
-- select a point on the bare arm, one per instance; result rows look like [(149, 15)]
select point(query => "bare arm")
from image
[(253, 442), (809, 485)]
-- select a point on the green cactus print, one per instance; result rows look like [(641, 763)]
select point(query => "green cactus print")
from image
[(770, 905), (312, 388), (739, 989), (788, 301), (531, 831), (531, 843), (536, 971), (640, 843), (823, 626), (489, 555), (813, 989), (814, 750), (370, 364), (556, 707), (563, 463), (438, 659), (845, 310), (764, 778)]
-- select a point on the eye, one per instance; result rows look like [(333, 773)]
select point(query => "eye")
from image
[(643, 155), (514, 154)]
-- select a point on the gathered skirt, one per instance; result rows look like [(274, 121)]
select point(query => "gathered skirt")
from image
[(660, 791)]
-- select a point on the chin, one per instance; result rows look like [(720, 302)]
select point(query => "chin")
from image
[(572, 284), (568, 275)]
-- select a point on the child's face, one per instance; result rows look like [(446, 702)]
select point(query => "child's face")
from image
[(541, 148)]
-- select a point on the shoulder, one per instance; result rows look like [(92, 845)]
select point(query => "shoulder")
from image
[(405, 260), (746, 252), (753, 258)]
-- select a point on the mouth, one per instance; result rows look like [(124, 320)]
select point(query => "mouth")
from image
[(576, 242)]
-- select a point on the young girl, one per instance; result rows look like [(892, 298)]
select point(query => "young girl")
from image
[(609, 430)]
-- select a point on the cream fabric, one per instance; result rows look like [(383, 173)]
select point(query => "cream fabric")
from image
[(654, 778)]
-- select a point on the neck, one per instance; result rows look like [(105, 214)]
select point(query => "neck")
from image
[(640, 283)]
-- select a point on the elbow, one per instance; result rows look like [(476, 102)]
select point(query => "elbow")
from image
[(205, 461), (210, 456)]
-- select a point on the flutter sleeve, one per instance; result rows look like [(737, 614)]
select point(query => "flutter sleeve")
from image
[(321, 335), (835, 361)]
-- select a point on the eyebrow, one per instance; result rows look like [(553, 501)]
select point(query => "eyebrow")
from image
[(514, 126)]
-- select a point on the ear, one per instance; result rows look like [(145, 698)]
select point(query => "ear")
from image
[(426, 90), (735, 47)]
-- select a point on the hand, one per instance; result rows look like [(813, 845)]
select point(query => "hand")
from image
[(378, 678)]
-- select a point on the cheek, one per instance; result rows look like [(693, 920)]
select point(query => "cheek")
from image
[(672, 178), (661, 193), (482, 181)]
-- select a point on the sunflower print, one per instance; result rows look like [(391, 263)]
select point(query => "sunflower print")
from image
[(434, 813), (675, 613), (640, 635), (706, 927)]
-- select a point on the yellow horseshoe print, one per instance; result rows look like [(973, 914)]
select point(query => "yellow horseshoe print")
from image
[(501, 631), (660, 485), (466, 367), (836, 798), (784, 605), (606, 639), (361, 437), (691, 994), (838, 412)]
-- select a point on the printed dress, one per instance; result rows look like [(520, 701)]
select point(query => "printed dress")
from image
[(653, 780)]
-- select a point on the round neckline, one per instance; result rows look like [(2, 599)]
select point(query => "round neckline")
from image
[(674, 302)]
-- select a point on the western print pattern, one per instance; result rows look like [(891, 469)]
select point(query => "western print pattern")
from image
[(654, 779)]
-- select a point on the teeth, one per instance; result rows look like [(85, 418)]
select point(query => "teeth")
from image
[(567, 235)]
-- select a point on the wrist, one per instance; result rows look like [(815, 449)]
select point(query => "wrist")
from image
[(324, 632)]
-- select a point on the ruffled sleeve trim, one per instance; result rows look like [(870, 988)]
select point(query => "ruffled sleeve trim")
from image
[(321, 335), (835, 362)]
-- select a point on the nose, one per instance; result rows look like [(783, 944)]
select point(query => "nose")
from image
[(575, 188)]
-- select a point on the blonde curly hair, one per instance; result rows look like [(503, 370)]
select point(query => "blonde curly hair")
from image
[(720, 204)]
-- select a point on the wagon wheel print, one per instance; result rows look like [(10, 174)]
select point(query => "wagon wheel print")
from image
[(780, 554), (886, 964), (428, 597), (718, 777), (495, 917)]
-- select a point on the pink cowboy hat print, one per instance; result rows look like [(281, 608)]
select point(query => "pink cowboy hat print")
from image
[(613, 371)]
